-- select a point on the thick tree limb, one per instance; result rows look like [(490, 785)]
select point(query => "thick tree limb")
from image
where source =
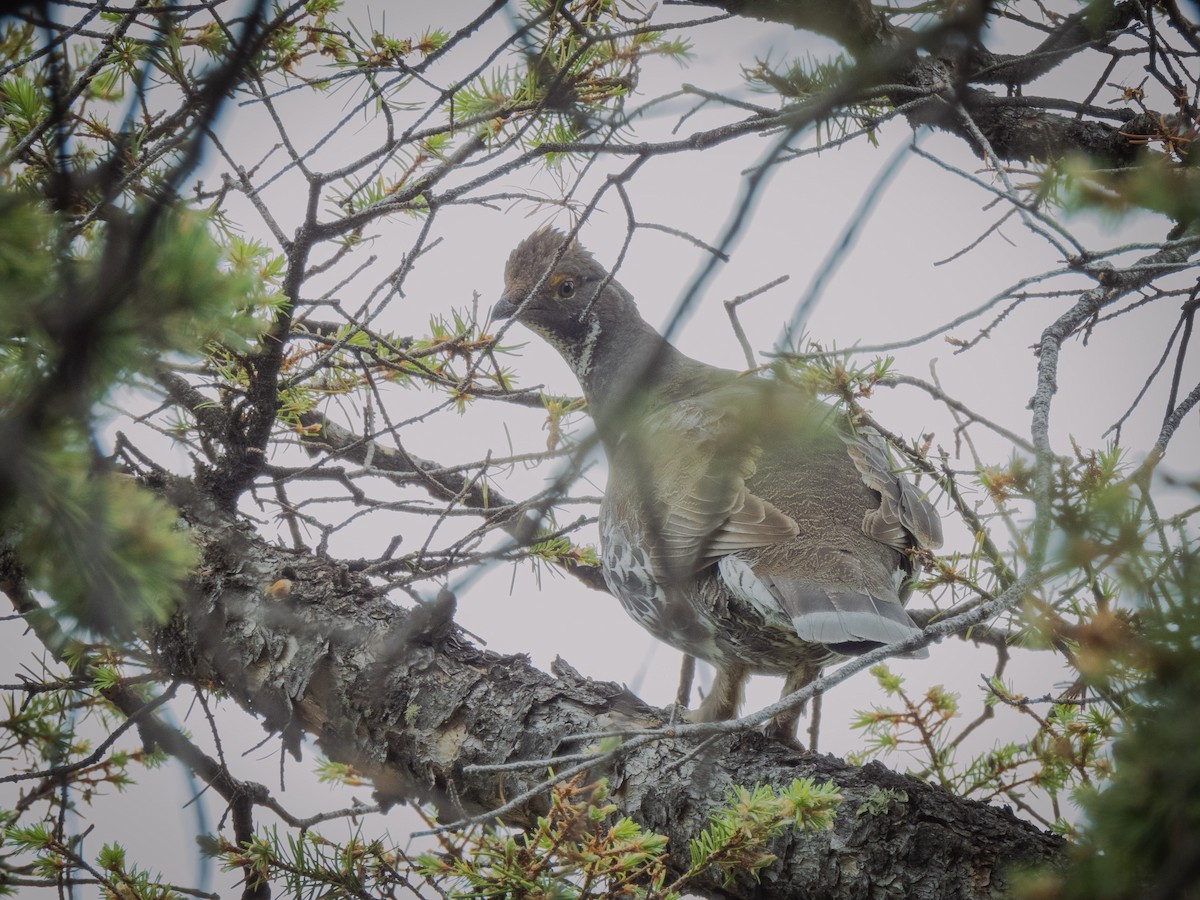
[(855, 24), (414, 706), (1017, 131), (1073, 33)]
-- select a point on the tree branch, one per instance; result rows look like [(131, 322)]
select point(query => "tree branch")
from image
[(421, 711)]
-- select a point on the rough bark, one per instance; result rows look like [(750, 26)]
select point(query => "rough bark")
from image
[(403, 696)]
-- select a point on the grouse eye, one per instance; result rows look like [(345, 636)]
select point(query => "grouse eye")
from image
[(566, 289)]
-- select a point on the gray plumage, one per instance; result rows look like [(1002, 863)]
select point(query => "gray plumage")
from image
[(742, 522)]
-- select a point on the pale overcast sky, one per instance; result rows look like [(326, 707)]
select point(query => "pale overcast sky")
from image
[(887, 289)]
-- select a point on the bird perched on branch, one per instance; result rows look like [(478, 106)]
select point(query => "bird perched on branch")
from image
[(743, 521)]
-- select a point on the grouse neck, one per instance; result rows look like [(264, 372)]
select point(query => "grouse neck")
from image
[(628, 365)]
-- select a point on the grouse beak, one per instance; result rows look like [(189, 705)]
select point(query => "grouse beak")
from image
[(504, 308)]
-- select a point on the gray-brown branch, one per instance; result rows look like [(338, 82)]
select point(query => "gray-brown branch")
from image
[(414, 706)]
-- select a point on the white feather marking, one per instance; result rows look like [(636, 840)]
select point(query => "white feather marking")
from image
[(581, 362), (748, 587), (822, 627), (835, 627)]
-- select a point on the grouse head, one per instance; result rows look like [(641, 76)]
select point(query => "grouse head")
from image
[(556, 288)]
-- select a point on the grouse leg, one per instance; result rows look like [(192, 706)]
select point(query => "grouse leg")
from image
[(783, 726), (725, 698)]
